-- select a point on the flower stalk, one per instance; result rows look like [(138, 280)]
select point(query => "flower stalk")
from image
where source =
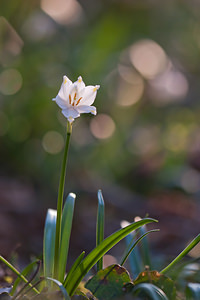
[(74, 99), (60, 201)]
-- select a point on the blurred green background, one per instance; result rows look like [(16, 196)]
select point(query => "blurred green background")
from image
[(144, 142)]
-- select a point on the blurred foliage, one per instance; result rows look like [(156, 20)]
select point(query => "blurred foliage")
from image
[(146, 57)]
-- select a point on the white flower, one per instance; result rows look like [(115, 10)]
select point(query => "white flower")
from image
[(76, 98)]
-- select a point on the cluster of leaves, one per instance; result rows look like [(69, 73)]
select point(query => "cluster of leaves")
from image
[(113, 282)]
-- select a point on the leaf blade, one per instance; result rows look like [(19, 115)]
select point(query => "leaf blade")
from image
[(14, 270), (192, 244), (100, 226), (130, 248), (73, 268), (49, 242), (66, 226), (99, 251), (24, 272)]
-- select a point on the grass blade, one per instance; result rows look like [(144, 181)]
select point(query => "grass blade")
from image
[(73, 268), (132, 246), (25, 272), (14, 270), (194, 242), (66, 226), (30, 280), (152, 291), (100, 226), (92, 258), (49, 242)]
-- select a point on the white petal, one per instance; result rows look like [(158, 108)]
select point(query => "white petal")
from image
[(65, 88), (76, 89), (73, 91), (66, 80), (86, 109), (70, 114), (89, 95), (62, 103), (80, 84)]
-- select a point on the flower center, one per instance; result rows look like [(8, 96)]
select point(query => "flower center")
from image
[(74, 100), (77, 103)]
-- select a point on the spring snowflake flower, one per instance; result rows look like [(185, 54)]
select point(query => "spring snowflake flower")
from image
[(76, 98)]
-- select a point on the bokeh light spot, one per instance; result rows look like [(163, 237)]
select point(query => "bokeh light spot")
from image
[(124, 223), (148, 58), (63, 11), (53, 142), (109, 260), (10, 82), (171, 86), (38, 26), (190, 181), (102, 126), (195, 254), (144, 140), (131, 86)]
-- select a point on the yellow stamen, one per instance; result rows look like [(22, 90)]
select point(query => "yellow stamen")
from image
[(94, 90), (78, 101), (65, 80), (75, 96), (80, 79), (70, 99)]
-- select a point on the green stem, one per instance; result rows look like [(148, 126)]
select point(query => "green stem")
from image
[(60, 201)]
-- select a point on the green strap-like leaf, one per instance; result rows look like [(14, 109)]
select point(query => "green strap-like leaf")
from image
[(100, 226), (67, 217), (14, 270), (194, 242), (49, 243), (25, 271), (73, 268), (132, 246), (99, 251)]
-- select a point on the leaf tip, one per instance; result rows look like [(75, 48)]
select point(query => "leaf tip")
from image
[(72, 195)]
